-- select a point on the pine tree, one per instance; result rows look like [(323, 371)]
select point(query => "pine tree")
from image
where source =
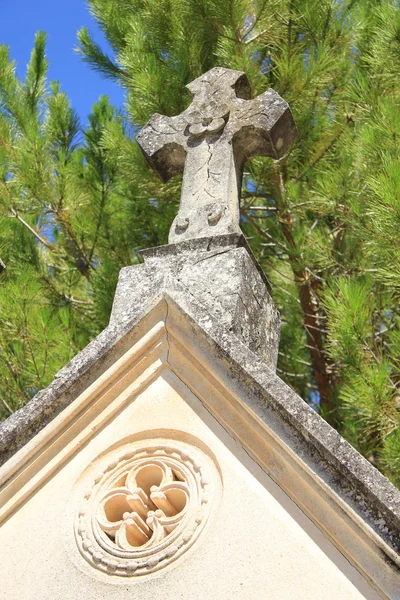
[(322, 221), (71, 217)]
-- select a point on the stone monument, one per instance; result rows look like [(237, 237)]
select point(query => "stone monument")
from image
[(167, 459)]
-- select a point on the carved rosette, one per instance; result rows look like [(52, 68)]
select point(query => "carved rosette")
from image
[(145, 509)]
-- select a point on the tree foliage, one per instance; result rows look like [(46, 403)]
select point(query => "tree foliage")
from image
[(323, 221)]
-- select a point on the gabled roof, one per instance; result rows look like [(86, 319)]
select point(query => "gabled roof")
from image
[(356, 507)]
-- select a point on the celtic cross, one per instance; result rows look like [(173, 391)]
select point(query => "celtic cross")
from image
[(210, 142)]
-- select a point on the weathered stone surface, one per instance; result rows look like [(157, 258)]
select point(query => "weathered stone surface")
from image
[(219, 272), (337, 463), (210, 142)]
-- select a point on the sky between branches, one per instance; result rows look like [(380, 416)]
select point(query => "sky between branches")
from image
[(19, 21)]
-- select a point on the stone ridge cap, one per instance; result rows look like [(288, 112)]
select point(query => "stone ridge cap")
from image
[(352, 473), (273, 391), (204, 244), (20, 427)]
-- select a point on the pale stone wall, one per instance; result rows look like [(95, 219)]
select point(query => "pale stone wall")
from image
[(255, 542)]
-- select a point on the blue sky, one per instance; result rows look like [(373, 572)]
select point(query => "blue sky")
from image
[(20, 19)]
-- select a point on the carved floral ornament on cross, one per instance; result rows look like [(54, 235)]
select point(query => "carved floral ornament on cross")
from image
[(145, 508)]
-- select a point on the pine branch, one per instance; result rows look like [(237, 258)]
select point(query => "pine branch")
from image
[(93, 55), (7, 407), (273, 268), (14, 374), (287, 374), (256, 19), (319, 156), (257, 36), (99, 219), (246, 194), (17, 216), (299, 360), (81, 261), (28, 341), (45, 358), (264, 208), (262, 232), (72, 300), (212, 24)]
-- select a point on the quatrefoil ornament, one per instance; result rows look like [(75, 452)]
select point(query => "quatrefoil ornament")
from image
[(144, 511), (145, 508)]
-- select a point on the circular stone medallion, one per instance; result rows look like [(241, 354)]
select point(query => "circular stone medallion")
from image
[(146, 508)]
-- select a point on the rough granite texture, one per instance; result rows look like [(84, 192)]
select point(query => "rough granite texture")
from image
[(210, 142), (173, 274)]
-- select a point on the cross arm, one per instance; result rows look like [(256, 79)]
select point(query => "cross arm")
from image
[(262, 127), (163, 143)]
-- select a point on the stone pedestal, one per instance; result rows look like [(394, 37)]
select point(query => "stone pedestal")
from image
[(222, 274)]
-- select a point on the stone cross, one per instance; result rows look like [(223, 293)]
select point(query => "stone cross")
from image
[(210, 142)]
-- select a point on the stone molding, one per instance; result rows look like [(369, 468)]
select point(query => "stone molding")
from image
[(350, 501), (145, 508)]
